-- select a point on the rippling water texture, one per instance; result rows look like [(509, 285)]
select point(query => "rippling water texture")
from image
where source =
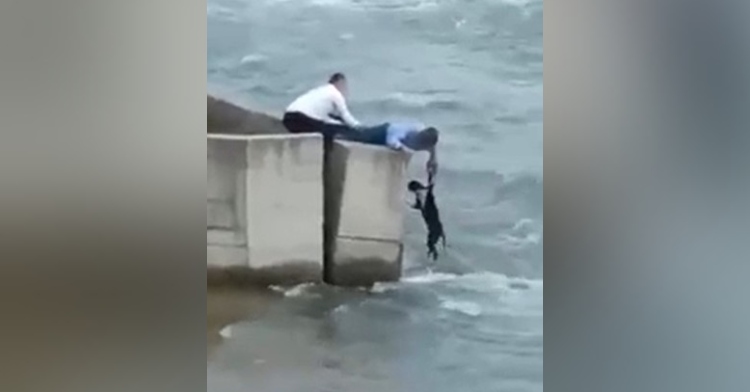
[(474, 321)]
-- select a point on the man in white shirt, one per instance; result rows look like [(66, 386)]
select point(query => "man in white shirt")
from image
[(322, 110)]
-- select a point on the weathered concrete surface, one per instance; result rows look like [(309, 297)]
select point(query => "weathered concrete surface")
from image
[(365, 206), (230, 119), (266, 205), (265, 209)]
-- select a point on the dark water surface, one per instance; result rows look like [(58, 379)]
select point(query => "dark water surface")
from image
[(474, 321)]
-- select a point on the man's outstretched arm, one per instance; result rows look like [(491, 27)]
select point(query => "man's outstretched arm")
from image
[(432, 163)]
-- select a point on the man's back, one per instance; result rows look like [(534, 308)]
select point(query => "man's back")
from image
[(321, 103), (316, 103), (322, 110), (398, 132)]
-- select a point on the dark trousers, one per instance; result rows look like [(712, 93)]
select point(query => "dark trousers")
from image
[(376, 135), (300, 123)]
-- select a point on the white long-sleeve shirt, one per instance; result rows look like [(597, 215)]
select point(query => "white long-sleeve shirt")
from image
[(322, 102)]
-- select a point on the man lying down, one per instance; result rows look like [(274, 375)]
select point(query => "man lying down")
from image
[(410, 137)]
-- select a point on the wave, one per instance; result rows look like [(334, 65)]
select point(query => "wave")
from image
[(223, 13), (492, 188), (366, 5), (520, 3), (466, 308), (299, 291), (226, 333), (473, 295), (402, 5), (476, 281), (253, 58), (526, 187), (401, 101), (525, 234)]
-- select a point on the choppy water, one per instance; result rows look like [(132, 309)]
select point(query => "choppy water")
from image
[(474, 321)]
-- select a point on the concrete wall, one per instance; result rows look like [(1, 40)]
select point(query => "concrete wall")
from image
[(365, 207), (265, 208), (266, 204)]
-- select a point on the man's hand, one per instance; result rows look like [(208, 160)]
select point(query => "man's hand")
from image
[(402, 148)]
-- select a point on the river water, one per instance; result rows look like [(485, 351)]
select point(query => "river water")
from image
[(474, 320)]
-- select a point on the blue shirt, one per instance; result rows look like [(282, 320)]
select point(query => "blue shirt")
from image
[(397, 133)]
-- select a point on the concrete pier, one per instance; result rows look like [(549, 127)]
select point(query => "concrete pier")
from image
[(366, 196), (265, 208), (278, 213)]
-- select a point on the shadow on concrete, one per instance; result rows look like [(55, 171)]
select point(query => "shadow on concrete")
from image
[(231, 119)]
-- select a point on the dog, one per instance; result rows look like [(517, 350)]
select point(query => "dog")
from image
[(431, 214)]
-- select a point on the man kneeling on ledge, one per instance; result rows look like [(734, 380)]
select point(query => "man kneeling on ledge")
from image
[(408, 137), (323, 110)]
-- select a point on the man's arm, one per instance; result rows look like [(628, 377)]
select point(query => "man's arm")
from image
[(342, 110), (432, 163), (392, 141), (398, 146)]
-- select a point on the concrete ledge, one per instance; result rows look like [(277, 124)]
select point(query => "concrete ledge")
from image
[(285, 275), (365, 204)]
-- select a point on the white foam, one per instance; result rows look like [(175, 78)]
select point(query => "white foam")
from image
[(298, 291), (396, 5), (520, 242), (220, 12), (413, 100), (430, 278), (466, 308), (480, 281), (382, 288), (524, 233), (294, 292), (226, 333), (253, 58), (322, 3), (523, 225), (520, 3), (341, 309)]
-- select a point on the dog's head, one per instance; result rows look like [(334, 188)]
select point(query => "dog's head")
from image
[(416, 186)]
